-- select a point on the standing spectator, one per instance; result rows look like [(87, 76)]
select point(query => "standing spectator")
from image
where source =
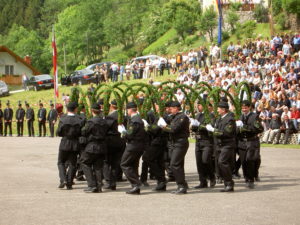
[(114, 68), (20, 114), (24, 81), (286, 48), (52, 118), (42, 120), (8, 115), (30, 120), (128, 70)]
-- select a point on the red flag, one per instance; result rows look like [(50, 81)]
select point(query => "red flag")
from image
[(54, 60)]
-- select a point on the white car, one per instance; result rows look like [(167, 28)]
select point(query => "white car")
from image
[(3, 89), (150, 57)]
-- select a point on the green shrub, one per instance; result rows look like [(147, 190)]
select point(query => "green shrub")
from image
[(281, 19), (225, 35), (261, 14), (190, 40), (80, 67), (248, 28)]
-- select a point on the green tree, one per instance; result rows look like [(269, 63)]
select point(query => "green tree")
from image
[(232, 18), (209, 22)]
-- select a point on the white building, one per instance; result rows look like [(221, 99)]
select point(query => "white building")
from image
[(207, 3), (12, 67)]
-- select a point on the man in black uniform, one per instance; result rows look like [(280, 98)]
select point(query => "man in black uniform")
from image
[(52, 118), (154, 155), (225, 131), (20, 114), (93, 156), (30, 119), (179, 131), (8, 115), (249, 126), (1, 120), (69, 128), (42, 113), (135, 136), (115, 147), (204, 149)]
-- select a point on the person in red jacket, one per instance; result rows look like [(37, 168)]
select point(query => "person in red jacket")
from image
[(295, 115)]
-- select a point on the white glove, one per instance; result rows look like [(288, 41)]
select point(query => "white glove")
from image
[(210, 128), (161, 122), (239, 123), (194, 122), (146, 124), (121, 129)]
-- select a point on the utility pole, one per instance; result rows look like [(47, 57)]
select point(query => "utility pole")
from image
[(87, 47)]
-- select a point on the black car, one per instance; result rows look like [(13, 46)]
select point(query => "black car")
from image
[(84, 76), (40, 82)]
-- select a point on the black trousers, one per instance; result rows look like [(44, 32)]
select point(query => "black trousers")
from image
[(1, 128), (154, 157), (249, 154), (51, 128), (66, 166), (113, 161), (177, 161), (203, 153), (20, 128), (30, 128), (92, 165), (7, 125), (130, 163), (168, 153), (225, 161), (42, 126)]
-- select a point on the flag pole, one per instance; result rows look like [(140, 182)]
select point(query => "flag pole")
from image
[(55, 72)]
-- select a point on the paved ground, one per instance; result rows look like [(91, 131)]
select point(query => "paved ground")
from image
[(29, 193)]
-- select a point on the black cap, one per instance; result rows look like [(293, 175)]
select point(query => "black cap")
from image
[(175, 104), (246, 103), (101, 101), (223, 105), (51, 103), (131, 105), (96, 106), (72, 106), (168, 104), (114, 102)]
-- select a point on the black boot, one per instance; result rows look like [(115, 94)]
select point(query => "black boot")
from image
[(180, 191), (160, 187), (201, 185), (212, 183), (134, 191), (91, 190), (62, 185)]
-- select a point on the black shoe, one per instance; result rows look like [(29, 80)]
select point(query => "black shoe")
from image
[(80, 178), (212, 183), (69, 187), (160, 187), (228, 188), (145, 184), (179, 191), (201, 185), (91, 190), (171, 179), (236, 176), (134, 191), (257, 179), (110, 187), (61, 185), (250, 185)]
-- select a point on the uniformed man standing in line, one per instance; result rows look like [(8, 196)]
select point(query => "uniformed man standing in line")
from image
[(115, 147), (225, 131), (69, 128), (204, 149), (135, 136), (249, 126), (92, 158), (52, 118), (179, 131), (8, 115), (29, 119), (154, 155), (42, 113), (1, 120), (20, 114)]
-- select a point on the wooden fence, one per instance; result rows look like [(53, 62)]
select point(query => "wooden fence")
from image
[(12, 79)]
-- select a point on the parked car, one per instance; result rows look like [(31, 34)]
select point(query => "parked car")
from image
[(93, 66), (146, 57), (40, 82), (84, 76), (3, 89)]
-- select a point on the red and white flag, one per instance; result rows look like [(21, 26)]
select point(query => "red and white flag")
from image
[(54, 60)]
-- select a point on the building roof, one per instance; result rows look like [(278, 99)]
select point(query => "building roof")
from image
[(18, 58)]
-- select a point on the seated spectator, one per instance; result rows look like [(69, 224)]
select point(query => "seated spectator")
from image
[(285, 112), (287, 128), (265, 117), (295, 115), (272, 135)]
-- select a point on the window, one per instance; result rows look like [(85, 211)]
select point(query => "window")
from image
[(9, 70)]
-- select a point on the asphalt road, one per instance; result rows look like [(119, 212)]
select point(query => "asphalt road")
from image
[(29, 193)]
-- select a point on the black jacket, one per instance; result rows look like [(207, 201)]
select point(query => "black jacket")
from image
[(1, 115), (8, 114), (95, 130), (135, 130), (52, 115), (252, 126), (157, 136), (275, 124), (179, 127), (291, 127), (42, 113), (20, 114), (69, 128), (30, 114), (201, 133), (114, 140), (225, 130)]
